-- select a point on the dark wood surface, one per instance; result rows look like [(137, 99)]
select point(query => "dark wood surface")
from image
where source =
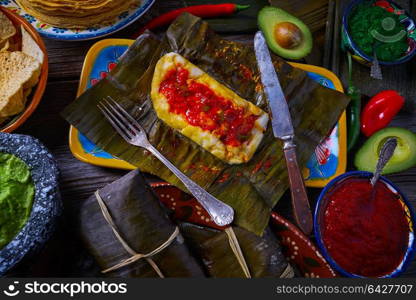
[(64, 255)]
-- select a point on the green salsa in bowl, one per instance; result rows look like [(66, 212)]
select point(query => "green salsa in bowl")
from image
[(17, 192), (29, 198), (378, 26)]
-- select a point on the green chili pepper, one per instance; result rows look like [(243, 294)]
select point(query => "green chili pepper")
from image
[(354, 109)]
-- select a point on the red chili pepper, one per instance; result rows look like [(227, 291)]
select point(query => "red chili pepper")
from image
[(203, 11), (385, 4), (380, 110)]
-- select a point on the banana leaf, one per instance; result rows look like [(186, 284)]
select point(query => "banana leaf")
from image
[(143, 224), (252, 189), (263, 255)]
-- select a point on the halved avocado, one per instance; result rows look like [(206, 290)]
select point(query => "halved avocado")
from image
[(404, 155), (286, 35)]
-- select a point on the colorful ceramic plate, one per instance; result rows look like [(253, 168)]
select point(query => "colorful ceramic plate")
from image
[(123, 20), (328, 161), (298, 249), (36, 96)]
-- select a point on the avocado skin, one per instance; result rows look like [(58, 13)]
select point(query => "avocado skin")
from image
[(404, 156), (270, 16)]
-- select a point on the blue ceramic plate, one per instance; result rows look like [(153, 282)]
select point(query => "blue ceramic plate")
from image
[(123, 20)]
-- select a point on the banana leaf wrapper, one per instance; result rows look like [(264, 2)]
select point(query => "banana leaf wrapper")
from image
[(252, 189), (263, 255), (142, 223)]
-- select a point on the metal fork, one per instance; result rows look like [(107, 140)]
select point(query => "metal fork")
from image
[(134, 134)]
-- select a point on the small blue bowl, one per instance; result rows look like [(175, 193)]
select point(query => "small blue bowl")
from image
[(349, 45), (320, 210)]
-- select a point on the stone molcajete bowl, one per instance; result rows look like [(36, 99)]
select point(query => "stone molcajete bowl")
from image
[(47, 202)]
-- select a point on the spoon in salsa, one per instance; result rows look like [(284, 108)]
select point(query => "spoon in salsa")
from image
[(386, 153), (375, 66)]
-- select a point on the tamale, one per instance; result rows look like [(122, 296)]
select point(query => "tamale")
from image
[(142, 222), (253, 188), (210, 114), (263, 255)]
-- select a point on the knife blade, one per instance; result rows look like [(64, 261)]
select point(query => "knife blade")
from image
[(281, 121), (283, 129)]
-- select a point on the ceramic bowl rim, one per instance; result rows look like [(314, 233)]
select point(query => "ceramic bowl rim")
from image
[(411, 249), (345, 16)]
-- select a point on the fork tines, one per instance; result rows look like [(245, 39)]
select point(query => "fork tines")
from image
[(119, 118)]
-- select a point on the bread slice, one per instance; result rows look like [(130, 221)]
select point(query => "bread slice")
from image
[(30, 47), (18, 72), (7, 28)]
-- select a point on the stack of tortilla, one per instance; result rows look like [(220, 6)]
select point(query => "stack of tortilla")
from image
[(76, 13), (19, 70)]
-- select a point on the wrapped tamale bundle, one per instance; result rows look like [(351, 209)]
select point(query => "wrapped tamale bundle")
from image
[(237, 253), (253, 187), (130, 235)]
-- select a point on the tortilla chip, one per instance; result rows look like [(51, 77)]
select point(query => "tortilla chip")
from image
[(19, 72), (30, 47), (7, 28), (4, 46), (11, 103)]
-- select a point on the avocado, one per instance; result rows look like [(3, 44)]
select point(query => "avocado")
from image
[(286, 35), (404, 155)]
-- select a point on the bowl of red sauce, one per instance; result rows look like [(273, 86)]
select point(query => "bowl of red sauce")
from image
[(365, 232)]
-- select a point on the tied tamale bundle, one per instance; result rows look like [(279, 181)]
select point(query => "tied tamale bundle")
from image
[(237, 253), (130, 235), (251, 188)]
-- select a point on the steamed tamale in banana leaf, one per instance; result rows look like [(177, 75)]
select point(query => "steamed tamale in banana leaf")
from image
[(143, 224), (213, 116), (262, 256), (252, 188)]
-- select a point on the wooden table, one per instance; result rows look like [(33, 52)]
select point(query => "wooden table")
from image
[(64, 255)]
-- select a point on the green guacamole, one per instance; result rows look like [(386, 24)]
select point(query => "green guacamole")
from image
[(372, 26), (16, 196)]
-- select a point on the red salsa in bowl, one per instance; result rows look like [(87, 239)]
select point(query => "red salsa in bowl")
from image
[(364, 232)]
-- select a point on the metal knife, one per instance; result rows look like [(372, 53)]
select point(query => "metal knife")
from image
[(283, 129)]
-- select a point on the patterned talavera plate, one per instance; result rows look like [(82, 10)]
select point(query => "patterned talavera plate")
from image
[(297, 248), (328, 161), (124, 19)]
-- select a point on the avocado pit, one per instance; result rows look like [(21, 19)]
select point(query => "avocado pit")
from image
[(288, 35)]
